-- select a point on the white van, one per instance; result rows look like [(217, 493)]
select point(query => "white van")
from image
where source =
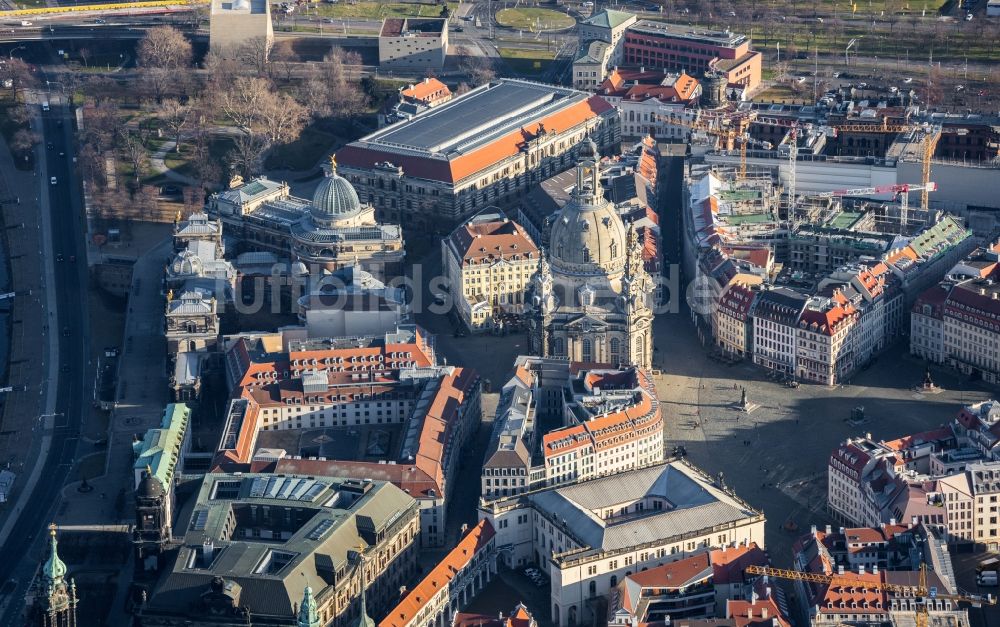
[(45, 106), (25, 23)]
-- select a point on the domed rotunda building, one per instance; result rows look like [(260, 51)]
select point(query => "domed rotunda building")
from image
[(337, 231), (331, 231), (591, 296)]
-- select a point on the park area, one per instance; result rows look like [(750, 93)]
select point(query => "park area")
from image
[(378, 10), (534, 20)]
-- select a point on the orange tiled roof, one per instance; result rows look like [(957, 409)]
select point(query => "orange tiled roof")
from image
[(440, 576), (463, 166), (427, 89), (476, 242)]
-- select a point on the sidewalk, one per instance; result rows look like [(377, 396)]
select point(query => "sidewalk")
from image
[(143, 392)]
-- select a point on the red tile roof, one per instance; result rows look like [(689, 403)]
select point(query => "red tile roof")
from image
[(440, 576), (462, 166), (477, 242), (427, 91)]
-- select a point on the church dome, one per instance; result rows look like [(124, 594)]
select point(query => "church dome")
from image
[(54, 568), (588, 236), (150, 487), (335, 198), (187, 263), (588, 239)]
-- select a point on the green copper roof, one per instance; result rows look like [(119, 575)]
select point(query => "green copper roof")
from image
[(308, 616), (54, 569), (160, 448), (609, 18)]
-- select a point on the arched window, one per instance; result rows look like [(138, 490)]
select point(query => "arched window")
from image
[(587, 354), (557, 347), (586, 254), (614, 580), (616, 346)]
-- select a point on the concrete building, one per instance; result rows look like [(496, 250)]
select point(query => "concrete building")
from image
[(589, 536), (730, 319), (676, 48), (352, 303), (697, 588), (489, 261), (775, 321), (652, 102), (331, 231), (593, 303), (236, 23), (413, 44), (559, 422), (484, 148), (364, 407), (259, 546), (600, 43), (851, 597), (452, 583)]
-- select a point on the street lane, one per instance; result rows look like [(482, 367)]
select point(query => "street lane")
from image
[(24, 545)]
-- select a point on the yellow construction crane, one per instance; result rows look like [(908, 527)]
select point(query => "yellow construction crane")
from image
[(931, 137), (730, 128), (920, 591)]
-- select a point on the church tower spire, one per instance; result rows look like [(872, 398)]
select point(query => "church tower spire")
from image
[(54, 603), (308, 614)]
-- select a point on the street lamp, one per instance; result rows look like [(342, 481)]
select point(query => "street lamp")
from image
[(13, 50), (850, 45)]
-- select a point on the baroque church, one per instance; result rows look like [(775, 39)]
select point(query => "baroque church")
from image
[(591, 297)]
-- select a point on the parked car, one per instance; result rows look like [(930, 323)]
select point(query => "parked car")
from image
[(52, 181)]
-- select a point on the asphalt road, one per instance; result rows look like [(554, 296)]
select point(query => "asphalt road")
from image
[(26, 542)]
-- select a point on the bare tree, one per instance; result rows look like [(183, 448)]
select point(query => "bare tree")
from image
[(255, 53), (242, 102), (23, 141), (164, 47), (175, 116), (282, 118), (462, 88), (18, 73), (247, 155), (84, 55), (478, 69), (284, 60), (161, 54), (132, 146)]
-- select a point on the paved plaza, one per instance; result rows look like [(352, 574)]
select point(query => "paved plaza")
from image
[(775, 456)]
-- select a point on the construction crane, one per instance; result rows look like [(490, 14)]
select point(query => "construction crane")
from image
[(920, 591), (902, 190), (931, 137), (729, 127)]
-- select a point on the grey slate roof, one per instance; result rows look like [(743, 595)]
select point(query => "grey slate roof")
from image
[(694, 504), (332, 527)]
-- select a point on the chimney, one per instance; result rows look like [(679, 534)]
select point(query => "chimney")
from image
[(427, 80), (892, 521), (465, 527), (875, 569), (840, 569), (861, 569), (812, 529), (829, 529), (763, 613), (843, 531), (750, 612), (402, 591), (207, 550)]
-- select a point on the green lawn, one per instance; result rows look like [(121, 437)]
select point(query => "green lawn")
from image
[(302, 154), (181, 161), (527, 61), (534, 20), (375, 10)]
